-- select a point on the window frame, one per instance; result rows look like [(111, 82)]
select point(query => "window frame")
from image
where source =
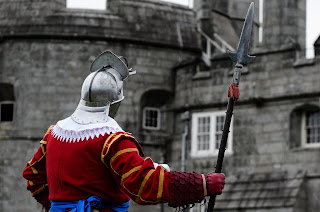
[(144, 118), (261, 21), (212, 151), (304, 143)]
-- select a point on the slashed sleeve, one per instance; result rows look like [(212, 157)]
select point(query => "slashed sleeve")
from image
[(137, 176), (35, 170)]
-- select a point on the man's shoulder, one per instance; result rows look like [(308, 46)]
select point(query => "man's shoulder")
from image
[(120, 137)]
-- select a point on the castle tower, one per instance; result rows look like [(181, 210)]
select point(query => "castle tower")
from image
[(284, 22)]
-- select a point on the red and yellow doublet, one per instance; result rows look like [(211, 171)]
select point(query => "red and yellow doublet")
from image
[(108, 166)]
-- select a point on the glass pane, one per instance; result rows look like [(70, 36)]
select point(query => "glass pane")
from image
[(217, 144), (206, 142), (198, 144), (219, 129), (203, 124), (313, 127), (219, 123), (151, 118)]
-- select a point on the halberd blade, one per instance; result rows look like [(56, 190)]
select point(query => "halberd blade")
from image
[(241, 55)]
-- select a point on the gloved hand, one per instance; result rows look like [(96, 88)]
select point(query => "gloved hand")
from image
[(215, 183), (166, 166)]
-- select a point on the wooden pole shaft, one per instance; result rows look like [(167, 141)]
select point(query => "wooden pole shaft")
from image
[(222, 147)]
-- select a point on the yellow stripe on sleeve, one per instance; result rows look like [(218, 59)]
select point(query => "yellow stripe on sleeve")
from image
[(32, 168), (49, 129), (36, 161), (145, 180), (112, 141), (135, 169), (108, 144), (128, 136), (43, 150), (122, 152), (37, 191), (104, 146), (160, 189)]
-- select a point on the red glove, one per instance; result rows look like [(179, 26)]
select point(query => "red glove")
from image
[(215, 183), (43, 199)]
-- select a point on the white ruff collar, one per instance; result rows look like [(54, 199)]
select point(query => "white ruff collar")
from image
[(70, 131)]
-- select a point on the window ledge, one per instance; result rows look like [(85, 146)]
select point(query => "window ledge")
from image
[(6, 125), (209, 155), (150, 128), (305, 148), (202, 75), (303, 62)]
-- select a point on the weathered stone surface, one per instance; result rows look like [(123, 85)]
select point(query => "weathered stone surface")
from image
[(14, 156), (46, 51)]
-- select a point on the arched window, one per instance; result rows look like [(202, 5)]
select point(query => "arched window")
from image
[(152, 103), (6, 102), (151, 118), (305, 127)]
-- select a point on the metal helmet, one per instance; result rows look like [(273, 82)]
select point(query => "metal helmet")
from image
[(102, 90)]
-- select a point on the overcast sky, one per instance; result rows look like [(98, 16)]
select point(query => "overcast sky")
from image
[(313, 26), (313, 16)]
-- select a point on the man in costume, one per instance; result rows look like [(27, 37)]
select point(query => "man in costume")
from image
[(87, 161)]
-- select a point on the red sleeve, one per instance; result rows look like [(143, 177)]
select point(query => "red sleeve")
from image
[(35, 170), (138, 177)]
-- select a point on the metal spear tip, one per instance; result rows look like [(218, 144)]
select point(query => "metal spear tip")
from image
[(241, 55)]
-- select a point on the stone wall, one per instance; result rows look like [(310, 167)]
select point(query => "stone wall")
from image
[(47, 55), (271, 89), (286, 20), (14, 156), (47, 91), (46, 51)]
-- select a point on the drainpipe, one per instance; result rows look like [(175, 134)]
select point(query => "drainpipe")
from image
[(185, 117)]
